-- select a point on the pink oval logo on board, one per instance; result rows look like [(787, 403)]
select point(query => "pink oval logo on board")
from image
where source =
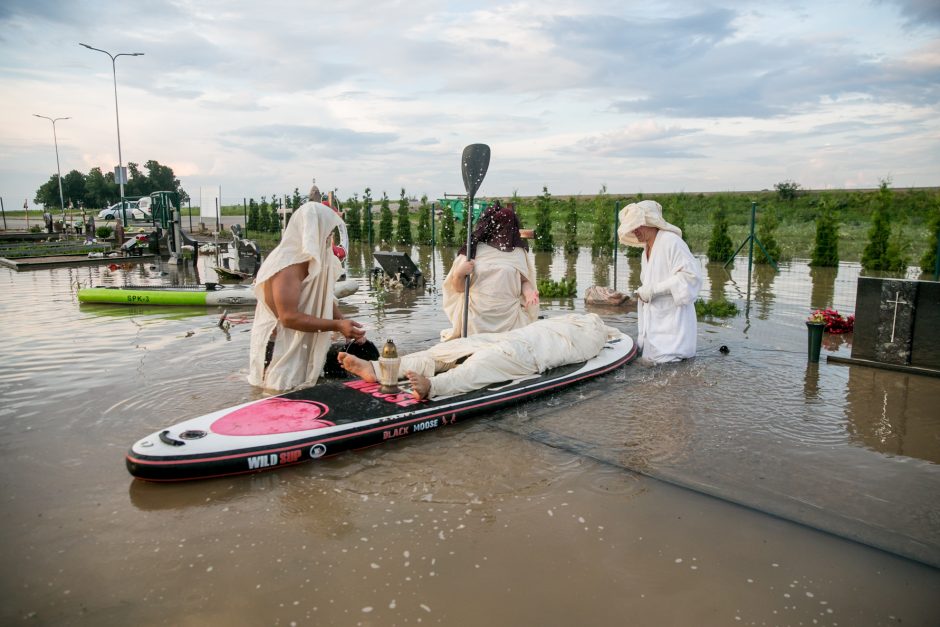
[(272, 416)]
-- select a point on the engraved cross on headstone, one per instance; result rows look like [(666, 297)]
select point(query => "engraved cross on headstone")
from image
[(897, 301)]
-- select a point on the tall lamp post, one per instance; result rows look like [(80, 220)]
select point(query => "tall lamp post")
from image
[(120, 172), (57, 168)]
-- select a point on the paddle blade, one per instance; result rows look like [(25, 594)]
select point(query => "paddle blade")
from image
[(473, 166)]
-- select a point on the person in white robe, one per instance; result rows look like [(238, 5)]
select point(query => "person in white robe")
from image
[(503, 292), (297, 312), (670, 279), (466, 364)]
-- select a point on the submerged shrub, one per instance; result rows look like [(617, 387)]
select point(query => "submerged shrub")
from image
[(565, 288), (715, 309)]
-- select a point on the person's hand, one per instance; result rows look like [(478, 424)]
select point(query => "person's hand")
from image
[(351, 329), (644, 293), (530, 294), (465, 268)]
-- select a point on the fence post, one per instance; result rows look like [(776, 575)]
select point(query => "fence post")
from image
[(616, 225)]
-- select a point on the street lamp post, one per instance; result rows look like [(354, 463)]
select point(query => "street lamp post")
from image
[(57, 168), (117, 117)]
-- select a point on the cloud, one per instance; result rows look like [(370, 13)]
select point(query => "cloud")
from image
[(918, 13), (646, 139), (281, 142)]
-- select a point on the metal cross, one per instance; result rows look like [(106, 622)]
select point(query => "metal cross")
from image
[(897, 301)]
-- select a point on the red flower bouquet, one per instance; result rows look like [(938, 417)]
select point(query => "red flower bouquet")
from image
[(833, 320)]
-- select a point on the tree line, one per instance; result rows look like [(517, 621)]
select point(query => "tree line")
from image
[(99, 189), (886, 212)]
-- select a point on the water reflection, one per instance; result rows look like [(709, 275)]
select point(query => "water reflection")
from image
[(764, 275), (893, 413), (811, 382), (634, 263), (543, 264), (601, 272), (447, 260), (824, 287), (718, 277), (740, 423), (571, 270)]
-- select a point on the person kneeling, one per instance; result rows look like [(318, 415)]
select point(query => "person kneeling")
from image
[(466, 364)]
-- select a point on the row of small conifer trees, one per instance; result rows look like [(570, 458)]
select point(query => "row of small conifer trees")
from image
[(883, 251)]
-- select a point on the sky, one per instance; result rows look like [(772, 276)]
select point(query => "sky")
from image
[(260, 98)]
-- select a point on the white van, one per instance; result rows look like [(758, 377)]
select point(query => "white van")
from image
[(136, 210)]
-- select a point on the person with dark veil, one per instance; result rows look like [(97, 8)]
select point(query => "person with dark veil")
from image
[(503, 293)]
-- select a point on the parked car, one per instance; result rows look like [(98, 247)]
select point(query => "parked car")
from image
[(134, 211)]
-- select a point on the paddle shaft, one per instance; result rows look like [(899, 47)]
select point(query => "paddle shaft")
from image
[(466, 287), (474, 163)]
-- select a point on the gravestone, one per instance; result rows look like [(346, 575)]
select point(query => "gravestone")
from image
[(897, 323), (400, 265)]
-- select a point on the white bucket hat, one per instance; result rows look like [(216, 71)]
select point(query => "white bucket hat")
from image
[(643, 213)]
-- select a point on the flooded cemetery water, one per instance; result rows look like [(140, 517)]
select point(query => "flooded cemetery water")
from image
[(745, 487)]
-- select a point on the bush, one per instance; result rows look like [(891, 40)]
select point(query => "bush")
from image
[(365, 231), (565, 288), (386, 223), (766, 226), (447, 226), (602, 236), (424, 221), (929, 260), (883, 252), (571, 227), (787, 190), (404, 221), (352, 219), (720, 246), (543, 223), (715, 309), (103, 232), (826, 249)]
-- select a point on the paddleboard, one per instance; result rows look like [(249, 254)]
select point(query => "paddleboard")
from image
[(210, 295), (332, 417)]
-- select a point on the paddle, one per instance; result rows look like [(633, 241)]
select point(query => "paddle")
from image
[(473, 166)]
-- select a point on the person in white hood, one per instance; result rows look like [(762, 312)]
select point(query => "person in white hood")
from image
[(297, 312), (670, 279)]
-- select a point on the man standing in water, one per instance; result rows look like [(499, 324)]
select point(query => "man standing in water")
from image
[(297, 312), (670, 278)]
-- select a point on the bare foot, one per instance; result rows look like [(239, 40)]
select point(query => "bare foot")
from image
[(359, 367), (420, 384)]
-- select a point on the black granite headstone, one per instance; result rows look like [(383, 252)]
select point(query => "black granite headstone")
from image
[(396, 264), (897, 321), (925, 346)]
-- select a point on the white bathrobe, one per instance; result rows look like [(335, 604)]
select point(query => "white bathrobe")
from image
[(508, 356), (496, 301), (298, 355), (667, 324)]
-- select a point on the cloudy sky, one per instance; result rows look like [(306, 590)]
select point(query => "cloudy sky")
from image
[(259, 97)]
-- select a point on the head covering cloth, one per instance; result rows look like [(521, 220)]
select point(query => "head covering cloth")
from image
[(643, 213), (499, 227)]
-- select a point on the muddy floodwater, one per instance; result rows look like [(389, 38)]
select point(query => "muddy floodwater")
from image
[(742, 487)]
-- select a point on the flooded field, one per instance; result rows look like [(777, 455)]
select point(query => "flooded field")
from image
[(740, 488)]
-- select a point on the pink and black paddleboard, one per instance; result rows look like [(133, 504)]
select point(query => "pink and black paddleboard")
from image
[(332, 417)]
